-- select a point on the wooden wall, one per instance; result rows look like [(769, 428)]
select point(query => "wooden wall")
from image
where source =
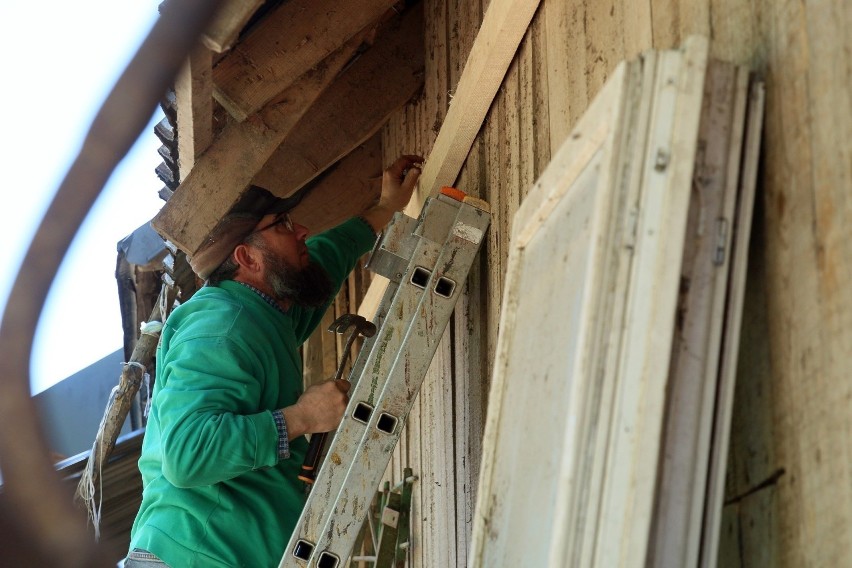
[(790, 472)]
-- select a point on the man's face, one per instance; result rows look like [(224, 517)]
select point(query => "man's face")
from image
[(288, 271), (283, 237)]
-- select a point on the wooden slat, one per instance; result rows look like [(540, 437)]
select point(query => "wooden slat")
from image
[(380, 81), (292, 39), (229, 21), (559, 56), (468, 347), (225, 170)]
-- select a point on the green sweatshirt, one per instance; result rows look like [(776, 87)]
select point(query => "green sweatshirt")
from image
[(214, 490)]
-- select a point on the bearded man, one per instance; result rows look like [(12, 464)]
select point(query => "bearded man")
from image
[(225, 437)]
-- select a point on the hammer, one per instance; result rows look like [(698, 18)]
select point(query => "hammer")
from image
[(359, 325)]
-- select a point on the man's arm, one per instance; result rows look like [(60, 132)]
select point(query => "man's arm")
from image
[(321, 407), (398, 183)]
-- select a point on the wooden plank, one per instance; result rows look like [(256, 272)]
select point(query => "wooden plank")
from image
[(354, 108), (228, 22), (436, 88), (224, 171), (344, 190), (288, 42), (503, 27), (636, 25), (194, 104), (469, 331), (500, 225), (604, 41), (540, 139), (559, 55)]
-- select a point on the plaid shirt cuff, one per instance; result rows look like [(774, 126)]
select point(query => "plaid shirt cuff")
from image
[(283, 440)]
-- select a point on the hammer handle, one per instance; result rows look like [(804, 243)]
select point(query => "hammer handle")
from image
[(311, 463), (312, 458)]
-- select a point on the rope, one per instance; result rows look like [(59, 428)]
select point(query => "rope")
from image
[(86, 487)]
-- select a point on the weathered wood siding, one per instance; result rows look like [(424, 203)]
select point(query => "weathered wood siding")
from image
[(790, 474)]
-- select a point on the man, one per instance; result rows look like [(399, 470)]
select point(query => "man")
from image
[(225, 439)]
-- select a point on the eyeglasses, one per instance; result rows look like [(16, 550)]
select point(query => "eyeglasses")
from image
[(282, 220)]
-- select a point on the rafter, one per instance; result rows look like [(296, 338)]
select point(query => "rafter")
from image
[(223, 172), (287, 43), (353, 109)]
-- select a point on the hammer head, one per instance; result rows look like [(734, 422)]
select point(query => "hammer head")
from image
[(358, 324)]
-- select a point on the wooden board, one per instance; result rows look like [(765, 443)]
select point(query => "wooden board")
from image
[(503, 27), (194, 104), (343, 191), (588, 310)]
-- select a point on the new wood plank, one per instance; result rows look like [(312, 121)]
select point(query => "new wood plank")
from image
[(503, 27), (354, 108), (224, 171), (289, 41)]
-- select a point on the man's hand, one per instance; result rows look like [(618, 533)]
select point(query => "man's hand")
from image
[(319, 409), (398, 182)]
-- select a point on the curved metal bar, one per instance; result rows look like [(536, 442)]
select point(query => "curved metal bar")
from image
[(42, 504)]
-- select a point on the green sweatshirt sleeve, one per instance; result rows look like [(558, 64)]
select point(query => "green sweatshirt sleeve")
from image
[(210, 425)]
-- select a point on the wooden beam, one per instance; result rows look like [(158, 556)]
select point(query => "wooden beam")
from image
[(345, 190), (223, 172), (287, 43), (194, 104), (359, 103), (229, 21)]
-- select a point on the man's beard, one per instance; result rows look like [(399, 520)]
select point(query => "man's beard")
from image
[(309, 287)]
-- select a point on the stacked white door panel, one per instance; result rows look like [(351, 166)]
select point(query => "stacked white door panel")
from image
[(591, 335)]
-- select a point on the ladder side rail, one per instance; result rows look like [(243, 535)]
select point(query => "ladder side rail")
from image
[(375, 368), (403, 385)]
